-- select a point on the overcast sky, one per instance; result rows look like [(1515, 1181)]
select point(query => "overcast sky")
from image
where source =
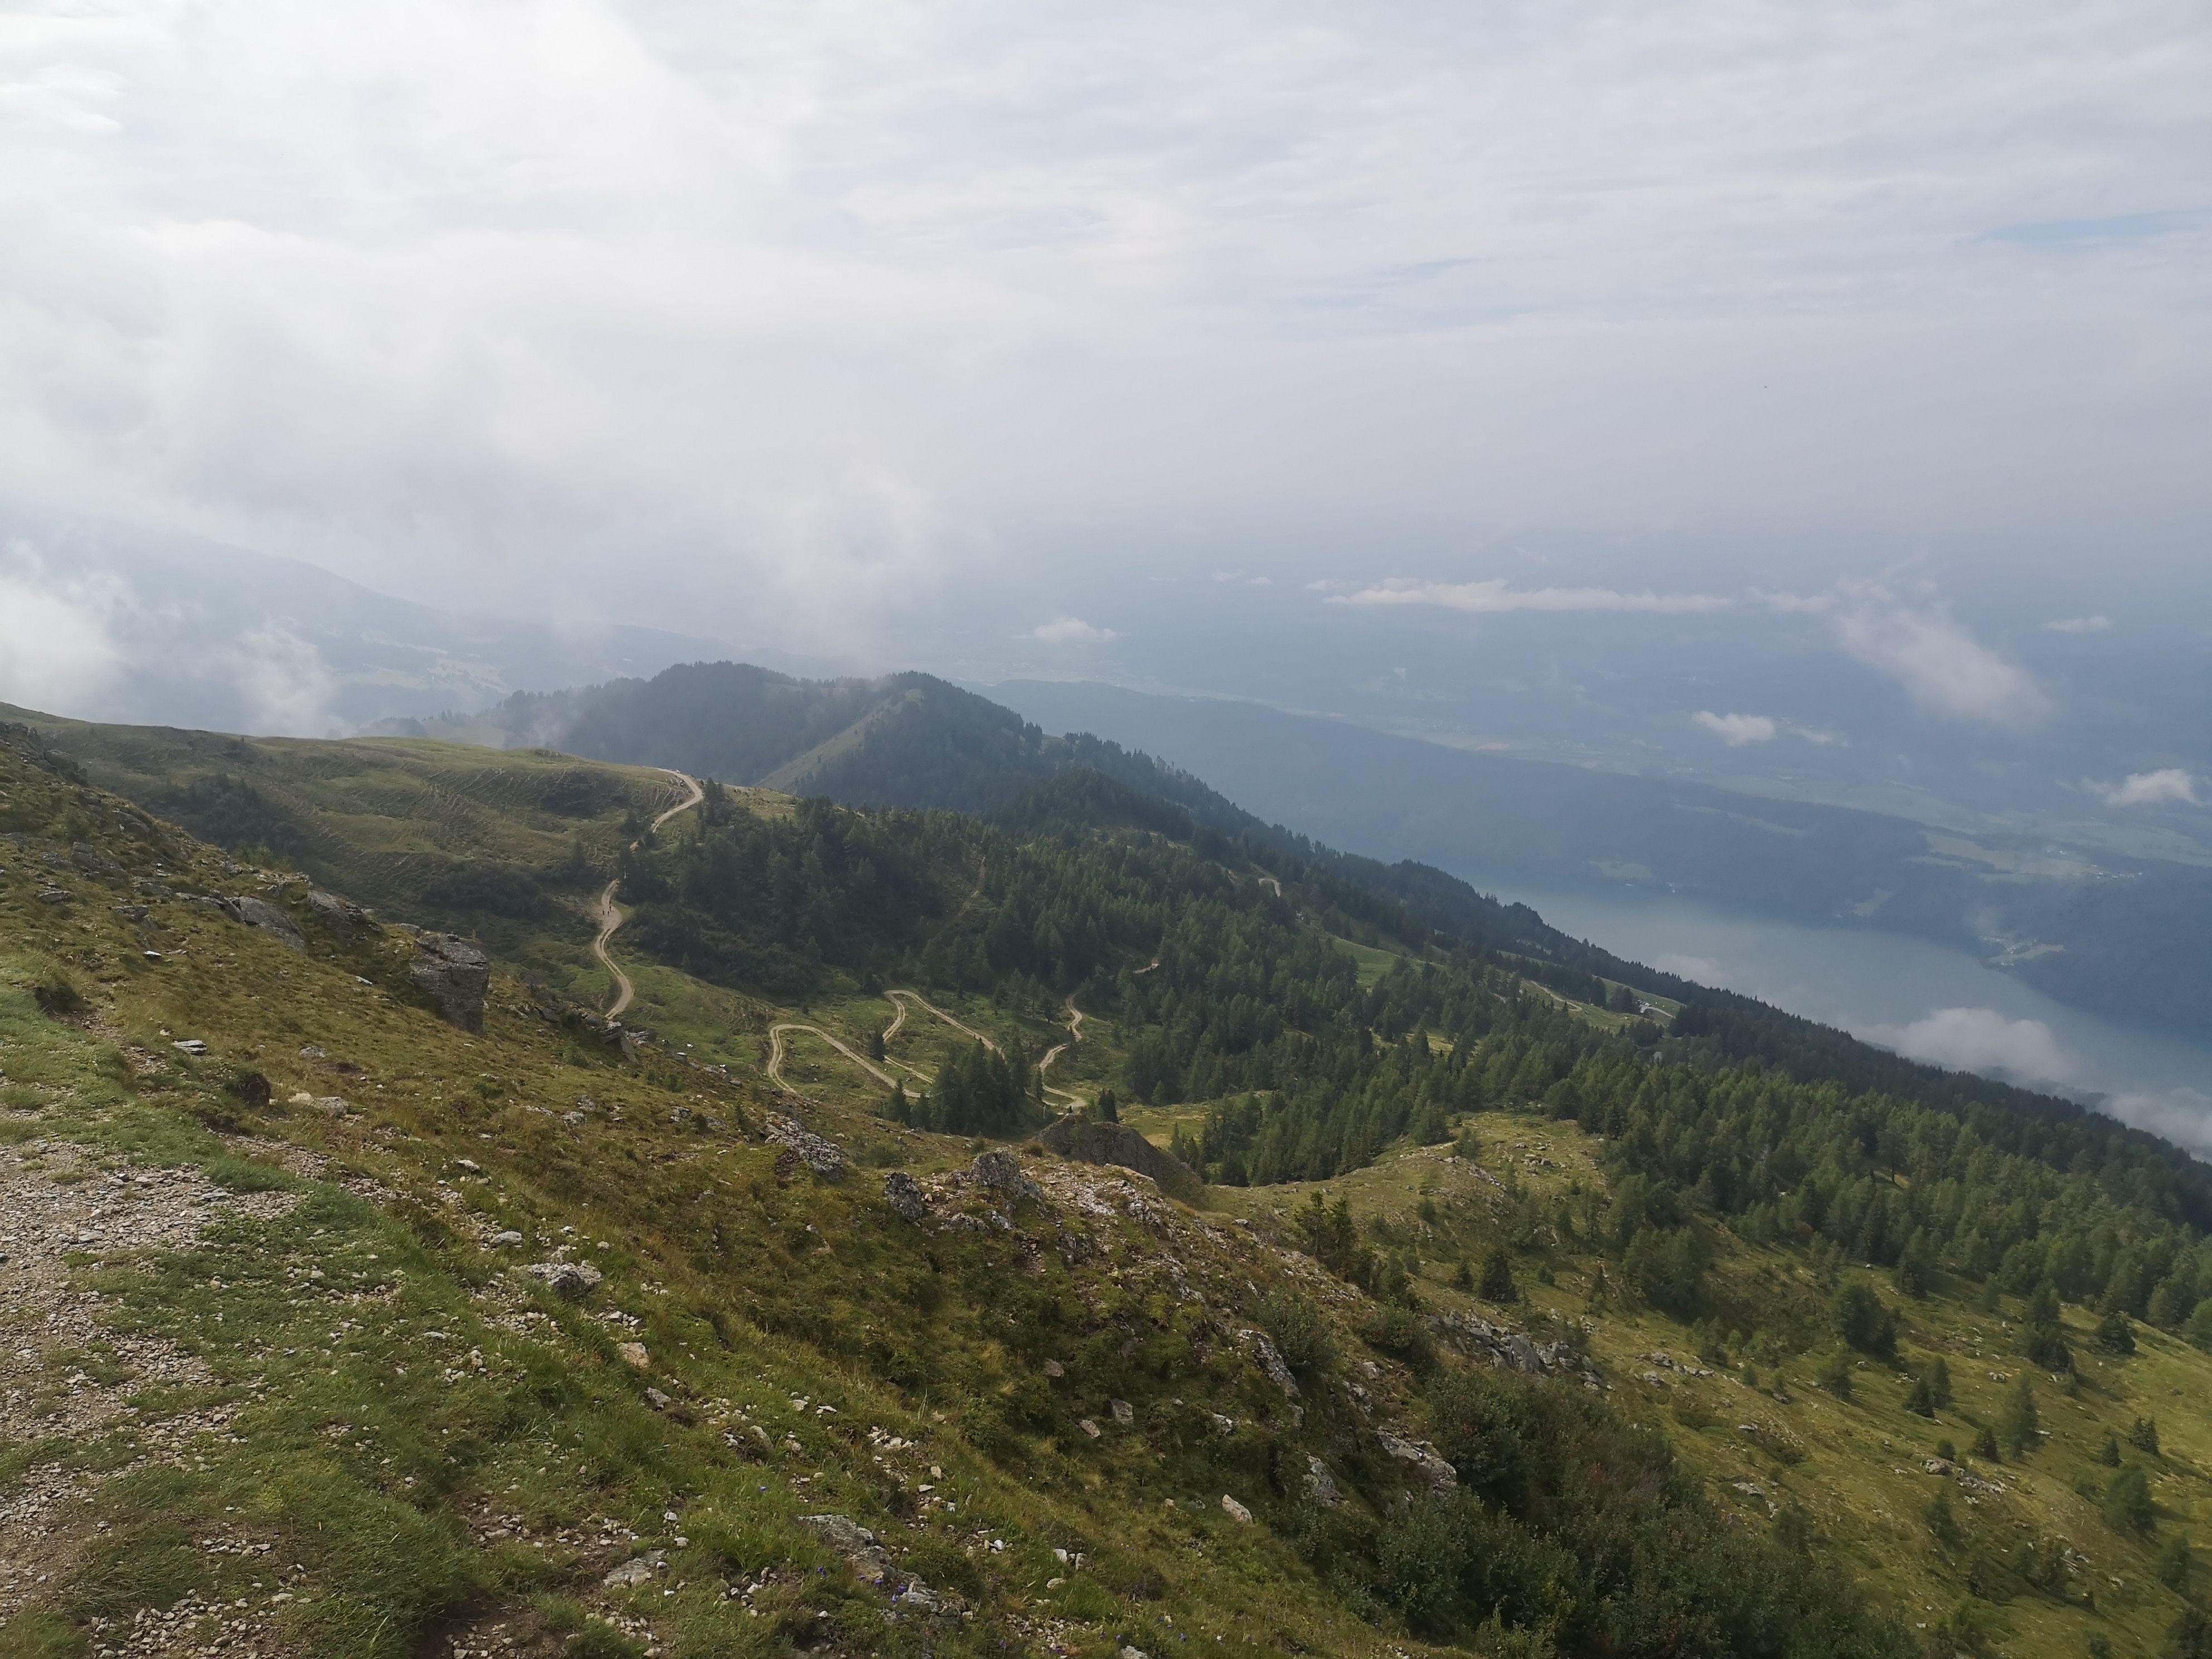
[(705, 313)]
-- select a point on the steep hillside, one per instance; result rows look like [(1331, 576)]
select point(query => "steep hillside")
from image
[(359, 1301), (1442, 1173)]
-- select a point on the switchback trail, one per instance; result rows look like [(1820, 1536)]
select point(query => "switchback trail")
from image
[(609, 915), (1074, 1036), (775, 1053)]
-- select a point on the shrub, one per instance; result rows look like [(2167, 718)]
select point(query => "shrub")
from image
[(1295, 1325), (1862, 1321), (2127, 1501), (2115, 1335), (2109, 1453), (2175, 1564), (2143, 1435), (1497, 1283), (1835, 1375)]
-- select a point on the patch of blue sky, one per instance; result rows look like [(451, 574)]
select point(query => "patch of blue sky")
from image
[(2090, 233)]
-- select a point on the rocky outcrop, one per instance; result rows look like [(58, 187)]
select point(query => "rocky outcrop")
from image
[(455, 974), (1473, 1338), (344, 919), (1320, 1485), (1125, 1149), (1002, 1172), (818, 1154), (903, 1193), (1421, 1459)]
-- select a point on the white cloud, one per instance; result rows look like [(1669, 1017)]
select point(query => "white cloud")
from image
[(1072, 630), (2078, 625), (1981, 1039), (808, 309), (2168, 786), (57, 652), (282, 681), (1493, 597), (1941, 665), (1737, 730)]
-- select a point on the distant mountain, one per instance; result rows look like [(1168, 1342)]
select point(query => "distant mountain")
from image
[(2128, 937), (143, 626)]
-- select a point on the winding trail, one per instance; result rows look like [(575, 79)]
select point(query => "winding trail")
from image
[(902, 998), (1074, 1036), (775, 1054), (609, 915)]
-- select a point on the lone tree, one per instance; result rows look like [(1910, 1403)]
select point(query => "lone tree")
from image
[(1497, 1283), (2021, 1421), (1862, 1321)]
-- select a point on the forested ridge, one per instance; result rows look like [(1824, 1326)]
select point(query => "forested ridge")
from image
[(1232, 992)]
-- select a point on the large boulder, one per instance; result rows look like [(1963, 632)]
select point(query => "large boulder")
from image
[(457, 974), (1118, 1145)]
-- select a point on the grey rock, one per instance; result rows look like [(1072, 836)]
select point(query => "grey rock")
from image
[(574, 1280), (260, 913), (903, 1193), (818, 1154), (1422, 1459), (454, 972), (1270, 1361), (638, 1569), (657, 1399), (341, 918), (1224, 1426), (1001, 1171), (94, 862), (1320, 1485), (500, 1241), (1234, 1510), (1124, 1413), (862, 1550)]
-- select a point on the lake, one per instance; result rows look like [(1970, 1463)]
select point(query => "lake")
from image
[(1918, 998)]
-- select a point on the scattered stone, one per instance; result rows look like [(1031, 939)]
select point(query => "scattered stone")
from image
[(633, 1355), (1054, 1367), (1124, 1413), (1234, 1510), (903, 1193), (191, 1046), (500, 1240), (454, 972), (1089, 1428), (574, 1280), (638, 1569), (332, 1106), (657, 1399), (862, 1550), (1224, 1426)]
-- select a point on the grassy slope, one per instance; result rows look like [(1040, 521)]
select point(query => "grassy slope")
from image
[(1857, 1468), (429, 1444)]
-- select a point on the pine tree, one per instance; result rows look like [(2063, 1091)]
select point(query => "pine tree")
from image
[(1498, 1278), (1920, 1399), (2021, 1421), (2143, 1435)]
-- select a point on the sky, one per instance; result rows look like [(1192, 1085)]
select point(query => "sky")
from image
[(866, 329)]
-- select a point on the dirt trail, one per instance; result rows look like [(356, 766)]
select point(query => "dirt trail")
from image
[(608, 915), (775, 1053), (901, 996), (1074, 1036)]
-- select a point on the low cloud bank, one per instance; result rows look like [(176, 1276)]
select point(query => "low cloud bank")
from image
[(1981, 1039), (2171, 786), (1072, 630), (1495, 597)]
